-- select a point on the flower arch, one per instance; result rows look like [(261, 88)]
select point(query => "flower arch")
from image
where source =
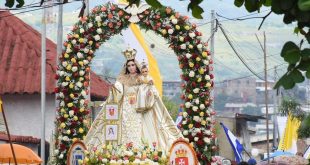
[(104, 22)]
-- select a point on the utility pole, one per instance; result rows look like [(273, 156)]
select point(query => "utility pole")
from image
[(266, 96), (275, 112), (212, 49), (43, 76)]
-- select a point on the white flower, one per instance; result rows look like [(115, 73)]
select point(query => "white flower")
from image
[(190, 46), (79, 55), (191, 74), (188, 104), (206, 62), (207, 140), (83, 93), (61, 95), (208, 119), (86, 50), (181, 38), (82, 101), (196, 139), (184, 114), (170, 31), (209, 57), (79, 84), (206, 148), (174, 21), (188, 55), (207, 77), (197, 101), (120, 161), (185, 132), (184, 122), (61, 156), (126, 161), (97, 37), (196, 118), (192, 35), (137, 161), (98, 18), (90, 25), (64, 84), (61, 73), (64, 63), (198, 130), (68, 50), (113, 161), (208, 132), (56, 152), (183, 46), (195, 108), (81, 72), (73, 42), (85, 62), (62, 103), (196, 90), (74, 69), (99, 30), (71, 113), (202, 106), (199, 46), (65, 138), (104, 160)]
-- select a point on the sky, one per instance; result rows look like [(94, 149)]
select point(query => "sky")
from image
[(227, 65)]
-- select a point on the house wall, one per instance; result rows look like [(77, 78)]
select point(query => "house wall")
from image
[(23, 113)]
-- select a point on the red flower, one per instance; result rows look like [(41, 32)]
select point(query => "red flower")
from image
[(120, 13), (103, 8), (200, 143), (56, 90)]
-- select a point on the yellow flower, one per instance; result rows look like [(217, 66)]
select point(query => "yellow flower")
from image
[(199, 79), (164, 31), (62, 110), (62, 125), (67, 78), (81, 63), (190, 96), (203, 122), (198, 59), (201, 114), (191, 64), (75, 118), (109, 147), (186, 27), (208, 85), (201, 71), (172, 17), (103, 146), (84, 137), (66, 55), (204, 54), (97, 152), (85, 121), (190, 46), (86, 159), (81, 78), (70, 105), (71, 85), (69, 67), (76, 36), (74, 139), (69, 45), (177, 27), (90, 42), (72, 95), (190, 126), (68, 132), (81, 40), (80, 161), (73, 60), (82, 110), (66, 115), (81, 130)]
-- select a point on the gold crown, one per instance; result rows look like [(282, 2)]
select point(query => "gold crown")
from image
[(180, 153), (130, 54)]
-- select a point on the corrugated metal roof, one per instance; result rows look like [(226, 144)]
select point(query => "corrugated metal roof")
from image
[(20, 62)]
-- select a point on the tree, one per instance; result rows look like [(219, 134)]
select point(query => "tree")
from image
[(292, 107), (171, 106)]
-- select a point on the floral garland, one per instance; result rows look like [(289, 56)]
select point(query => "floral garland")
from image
[(125, 154), (107, 20)]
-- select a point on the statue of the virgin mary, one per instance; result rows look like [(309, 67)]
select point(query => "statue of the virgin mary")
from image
[(151, 125)]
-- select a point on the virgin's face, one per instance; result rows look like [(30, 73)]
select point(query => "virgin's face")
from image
[(132, 68)]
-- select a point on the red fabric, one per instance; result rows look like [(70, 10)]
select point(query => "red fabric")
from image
[(20, 52)]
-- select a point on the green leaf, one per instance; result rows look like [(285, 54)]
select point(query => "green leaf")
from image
[(239, 3), (305, 54), (197, 11), (154, 3), (251, 5), (297, 76), (296, 30), (290, 52), (304, 5), (267, 3), (308, 73), (20, 3), (303, 65), (9, 3), (285, 81)]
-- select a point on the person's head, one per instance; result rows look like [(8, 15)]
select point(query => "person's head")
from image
[(243, 163), (131, 67), (252, 161), (144, 70)]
